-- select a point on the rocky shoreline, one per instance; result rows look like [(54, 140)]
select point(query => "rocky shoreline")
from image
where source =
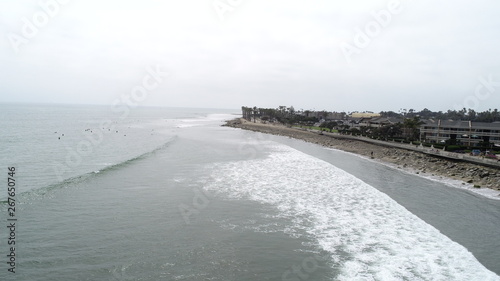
[(473, 174)]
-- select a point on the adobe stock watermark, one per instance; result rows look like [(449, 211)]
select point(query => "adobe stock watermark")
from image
[(304, 270), (224, 6), (372, 29), (484, 89), (251, 147), (75, 155), (150, 82), (200, 202), (30, 28)]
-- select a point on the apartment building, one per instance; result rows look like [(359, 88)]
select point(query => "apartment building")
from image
[(461, 132)]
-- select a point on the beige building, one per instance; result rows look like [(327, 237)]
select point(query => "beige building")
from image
[(364, 115)]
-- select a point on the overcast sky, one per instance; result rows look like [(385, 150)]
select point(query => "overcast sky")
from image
[(317, 54)]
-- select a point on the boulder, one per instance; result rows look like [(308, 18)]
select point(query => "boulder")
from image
[(484, 174)]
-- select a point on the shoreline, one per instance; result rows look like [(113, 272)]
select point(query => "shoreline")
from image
[(477, 178)]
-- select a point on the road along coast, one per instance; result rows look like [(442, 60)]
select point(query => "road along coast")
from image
[(425, 162)]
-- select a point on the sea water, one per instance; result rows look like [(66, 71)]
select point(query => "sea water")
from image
[(169, 194)]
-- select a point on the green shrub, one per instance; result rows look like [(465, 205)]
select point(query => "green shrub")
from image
[(453, 147)]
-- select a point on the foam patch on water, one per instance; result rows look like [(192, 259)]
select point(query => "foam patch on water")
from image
[(369, 235), (187, 125), (205, 120)]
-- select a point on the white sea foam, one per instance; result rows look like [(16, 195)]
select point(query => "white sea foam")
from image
[(201, 121), (367, 233), (187, 125)]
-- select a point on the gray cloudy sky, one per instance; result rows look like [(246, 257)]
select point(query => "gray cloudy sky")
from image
[(335, 55)]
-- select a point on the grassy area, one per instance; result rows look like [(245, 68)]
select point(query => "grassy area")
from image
[(317, 128)]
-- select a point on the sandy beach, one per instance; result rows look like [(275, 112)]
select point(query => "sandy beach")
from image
[(469, 174)]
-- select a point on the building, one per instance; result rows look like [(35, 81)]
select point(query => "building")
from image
[(378, 122), (364, 115), (460, 132)]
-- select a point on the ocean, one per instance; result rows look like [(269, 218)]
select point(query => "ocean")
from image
[(168, 194)]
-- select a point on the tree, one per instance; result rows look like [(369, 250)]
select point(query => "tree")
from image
[(389, 114), (254, 111), (246, 112), (389, 131), (471, 115), (412, 127), (330, 125), (355, 131)]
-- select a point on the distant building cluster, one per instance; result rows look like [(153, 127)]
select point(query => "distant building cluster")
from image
[(409, 125), (439, 131)]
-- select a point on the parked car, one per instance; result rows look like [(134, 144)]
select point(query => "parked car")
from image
[(476, 152)]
